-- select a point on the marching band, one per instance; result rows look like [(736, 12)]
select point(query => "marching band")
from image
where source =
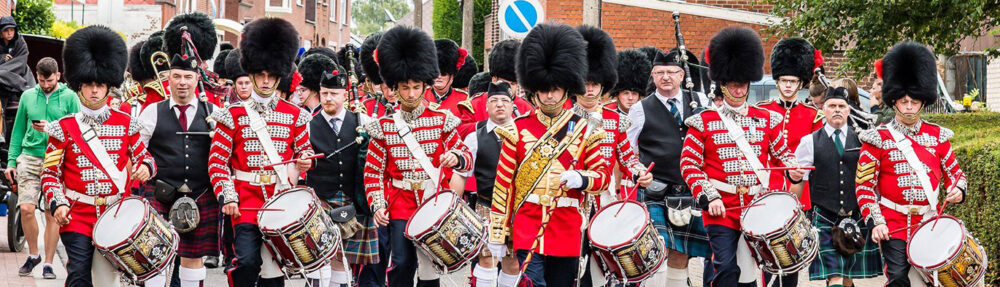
[(567, 163)]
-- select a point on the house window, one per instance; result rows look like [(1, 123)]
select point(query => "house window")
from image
[(310, 11), (342, 4), (298, 2), (279, 6), (333, 10)]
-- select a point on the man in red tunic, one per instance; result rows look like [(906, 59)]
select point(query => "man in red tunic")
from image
[(720, 173), (398, 176), (633, 76), (442, 95), (550, 161), (382, 99), (242, 146), (792, 63), (501, 60), (891, 190), (92, 156)]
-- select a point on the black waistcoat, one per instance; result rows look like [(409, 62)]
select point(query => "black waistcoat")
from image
[(487, 156), (831, 185), (336, 173), (181, 159), (662, 138)]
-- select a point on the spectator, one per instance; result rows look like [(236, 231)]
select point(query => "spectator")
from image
[(15, 77), (876, 92), (852, 91), (44, 103)]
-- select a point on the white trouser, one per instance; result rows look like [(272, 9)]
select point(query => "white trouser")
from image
[(269, 268), (102, 273), (425, 268), (748, 266)]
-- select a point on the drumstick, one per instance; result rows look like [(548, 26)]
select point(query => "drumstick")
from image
[(941, 211), (261, 209), (904, 228), (315, 156), (634, 189), (744, 207), (789, 168)]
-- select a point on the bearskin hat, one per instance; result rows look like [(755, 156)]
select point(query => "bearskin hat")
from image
[(502, 58), (602, 60), (313, 68), (202, 32), (909, 69), (368, 63), (464, 75), (736, 54), (269, 44), (233, 68), (289, 83), (650, 52), (136, 64), (450, 56), (552, 56), (225, 46), (152, 45), (343, 61), (219, 65), (329, 53), (479, 83), (94, 54), (633, 72), (406, 53), (794, 57)]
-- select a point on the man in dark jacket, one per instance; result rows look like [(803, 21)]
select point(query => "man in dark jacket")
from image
[(15, 76)]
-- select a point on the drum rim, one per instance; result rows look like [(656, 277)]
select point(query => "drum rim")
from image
[(951, 257), (645, 212), (107, 210), (437, 222), (640, 277), (771, 233), (276, 196)]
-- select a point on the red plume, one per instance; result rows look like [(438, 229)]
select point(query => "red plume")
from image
[(462, 53), (878, 68), (817, 59), (704, 57)]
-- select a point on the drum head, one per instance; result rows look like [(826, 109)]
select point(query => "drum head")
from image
[(933, 247), (294, 203), (609, 230), (430, 212), (110, 229), (776, 209)]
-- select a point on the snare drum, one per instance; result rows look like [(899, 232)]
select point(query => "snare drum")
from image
[(447, 231), (947, 253), (626, 245), (136, 240), (779, 235), (296, 230)]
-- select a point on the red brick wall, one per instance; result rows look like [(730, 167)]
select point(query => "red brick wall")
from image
[(745, 5)]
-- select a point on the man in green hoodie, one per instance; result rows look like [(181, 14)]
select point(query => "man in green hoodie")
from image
[(48, 101)]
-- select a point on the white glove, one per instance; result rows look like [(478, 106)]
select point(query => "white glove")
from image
[(572, 179), (497, 250)]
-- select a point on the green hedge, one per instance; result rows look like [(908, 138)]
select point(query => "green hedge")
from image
[(977, 146)]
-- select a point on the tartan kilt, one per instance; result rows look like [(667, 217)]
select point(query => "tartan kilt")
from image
[(362, 248), (204, 239), (867, 263), (691, 239)]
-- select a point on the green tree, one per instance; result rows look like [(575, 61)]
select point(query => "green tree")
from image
[(867, 29), (369, 16), (447, 23), (34, 16)]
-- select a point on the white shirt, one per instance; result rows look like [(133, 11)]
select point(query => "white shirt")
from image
[(472, 142), (804, 152), (637, 116), (147, 119), (340, 116)]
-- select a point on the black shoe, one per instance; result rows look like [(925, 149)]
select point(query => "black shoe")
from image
[(47, 272), (212, 261), (28, 266)]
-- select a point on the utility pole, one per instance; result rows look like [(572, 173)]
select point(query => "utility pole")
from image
[(418, 14), (467, 22), (592, 13)]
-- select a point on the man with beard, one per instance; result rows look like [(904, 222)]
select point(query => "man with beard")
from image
[(723, 171), (905, 162), (633, 74), (241, 147), (550, 161), (442, 95), (79, 167), (382, 99), (40, 105), (399, 172)]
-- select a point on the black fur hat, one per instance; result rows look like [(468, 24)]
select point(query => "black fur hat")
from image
[(94, 54), (313, 69), (502, 60), (202, 32), (152, 45), (406, 53), (552, 56), (343, 61), (736, 54), (233, 68), (329, 53), (136, 64), (909, 69), (219, 65), (633, 72), (225, 46), (464, 75), (269, 44), (650, 52), (793, 57), (602, 60), (479, 83), (368, 63), (449, 56)]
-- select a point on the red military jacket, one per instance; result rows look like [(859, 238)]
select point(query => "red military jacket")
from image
[(883, 172), (617, 151), (528, 181), (390, 160), (153, 96), (473, 110), (710, 154), (449, 102), (376, 109), (799, 121), (236, 147), (67, 165)]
